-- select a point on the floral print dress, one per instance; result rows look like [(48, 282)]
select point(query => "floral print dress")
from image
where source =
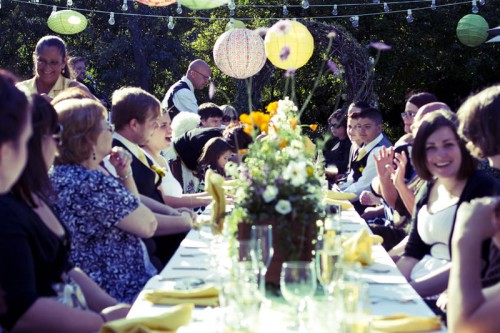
[(91, 204)]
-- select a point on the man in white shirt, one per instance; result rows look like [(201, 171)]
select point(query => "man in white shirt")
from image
[(363, 169), (180, 96)]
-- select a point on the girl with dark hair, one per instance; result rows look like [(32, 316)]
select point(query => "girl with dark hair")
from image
[(51, 69), (31, 234), (441, 159), (215, 155)]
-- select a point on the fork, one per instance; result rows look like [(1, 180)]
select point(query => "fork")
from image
[(398, 299)]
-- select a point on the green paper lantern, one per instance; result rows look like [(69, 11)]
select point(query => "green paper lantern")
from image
[(67, 22), (235, 24), (156, 3), (203, 4), (472, 30)]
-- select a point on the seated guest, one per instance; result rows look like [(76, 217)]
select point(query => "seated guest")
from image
[(338, 155), (215, 155), (471, 307), (135, 114), (34, 245), (104, 218), (51, 70), (230, 116), (210, 115), (363, 169), (440, 159), (78, 71), (170, 188)]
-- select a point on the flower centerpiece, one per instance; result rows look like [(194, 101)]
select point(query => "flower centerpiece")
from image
[(278, 183)]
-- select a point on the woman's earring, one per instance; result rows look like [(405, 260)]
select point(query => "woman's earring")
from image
[(93, 155)]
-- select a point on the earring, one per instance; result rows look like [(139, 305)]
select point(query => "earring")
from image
[(93, 156)]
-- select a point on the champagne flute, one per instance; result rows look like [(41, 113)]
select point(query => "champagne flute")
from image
[(297, 285), (262, 235), (329, 261)]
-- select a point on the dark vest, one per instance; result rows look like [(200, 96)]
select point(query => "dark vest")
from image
[(358, 166), (144, 177), (172, 109)]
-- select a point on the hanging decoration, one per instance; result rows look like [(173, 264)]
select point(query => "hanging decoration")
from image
[(67, 22), (202, 4), (157, 3), (239, 53), (289, 45), (472, 30), (232, 24)]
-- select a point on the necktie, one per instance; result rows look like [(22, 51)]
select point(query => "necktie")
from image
[(144, 160), (361, 154)]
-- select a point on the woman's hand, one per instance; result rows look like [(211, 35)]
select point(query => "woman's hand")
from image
[(121, 159), (188, 212), (385, 157), (398, 174), (117, 311), (367, 198)]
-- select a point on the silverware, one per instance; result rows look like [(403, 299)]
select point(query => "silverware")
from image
[(399, 299), (190, 255), (190, 268)]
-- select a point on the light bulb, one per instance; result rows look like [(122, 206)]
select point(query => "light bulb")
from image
[(305, 4), (285, 11), (433, 5), (475, 8), (125, 6), (231, 5), (69, 3), (335, 12), (54, 9), (0, 4), (170, 24), (231, 12), (386, 7), (376, 2), (481, 2), (355, 21), (409, 16), (179, 8), (111, 20)]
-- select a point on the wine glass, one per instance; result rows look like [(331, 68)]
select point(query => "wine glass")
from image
[(262, 236), (329, 268), (297, 285)]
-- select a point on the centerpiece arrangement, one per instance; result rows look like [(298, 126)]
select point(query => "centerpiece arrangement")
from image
[(278, 184)]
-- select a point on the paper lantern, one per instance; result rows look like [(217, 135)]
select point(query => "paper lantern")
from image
[(157, 3), (289, 45), (235, 24), (239, 53), (67, 22), (472, 30), (202, 4)]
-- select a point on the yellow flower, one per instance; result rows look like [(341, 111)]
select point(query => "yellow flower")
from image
[(159, 170), (294, 122), (283, 143), (313, 127), (361, 169), (310, 171), (271, 108), (255, 119)]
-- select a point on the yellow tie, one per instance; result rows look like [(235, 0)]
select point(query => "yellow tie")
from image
[(361, 154), (142, 157)]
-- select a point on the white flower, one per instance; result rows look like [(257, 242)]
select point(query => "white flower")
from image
[(283, 207), (296, 173), (231, 169), (270, 193)]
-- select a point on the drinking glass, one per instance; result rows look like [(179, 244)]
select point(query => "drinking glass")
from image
[(297, 285), (329, 264), (262, 236)]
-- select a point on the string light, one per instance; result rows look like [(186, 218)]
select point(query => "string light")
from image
[(475, 8), (231, 5), (481, 2), (305, 4), (386, 7), (409, 16), (433, 5), (231, 12), (0, 4), (179, 8), (111, 20), (69, 3), (335, 11), (171, 23), (377, 2), (125, 6), (355, 21), (54, 9), (285, 10), (231, 23)]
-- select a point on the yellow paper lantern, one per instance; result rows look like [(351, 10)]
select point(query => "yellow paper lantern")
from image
[(157, 3), (289, 45), (239, 53), (67, 22), (472, 30), (202, 4)]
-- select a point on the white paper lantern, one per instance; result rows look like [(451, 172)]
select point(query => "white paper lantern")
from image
[(239, 53)]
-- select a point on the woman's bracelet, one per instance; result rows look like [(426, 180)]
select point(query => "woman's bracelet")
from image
[(126, 176)]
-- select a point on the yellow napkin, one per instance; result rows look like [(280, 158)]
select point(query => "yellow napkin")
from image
[(169, 321), (358, 247), (340, 195), (213, 185), (207, 295), (403, 323), (345, 204)]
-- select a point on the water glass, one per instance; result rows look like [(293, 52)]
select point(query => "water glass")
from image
[(297, 285), (262, 236)]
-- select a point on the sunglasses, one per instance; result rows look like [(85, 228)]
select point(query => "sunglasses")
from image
[(227, 118)]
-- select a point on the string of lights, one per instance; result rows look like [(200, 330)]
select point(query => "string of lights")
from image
[(336, 12)]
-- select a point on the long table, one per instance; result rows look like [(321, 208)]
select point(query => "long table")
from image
[(191, 261)]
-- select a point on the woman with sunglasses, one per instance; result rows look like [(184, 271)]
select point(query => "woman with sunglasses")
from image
[(34, 249), (230, 116), (51, 70)]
